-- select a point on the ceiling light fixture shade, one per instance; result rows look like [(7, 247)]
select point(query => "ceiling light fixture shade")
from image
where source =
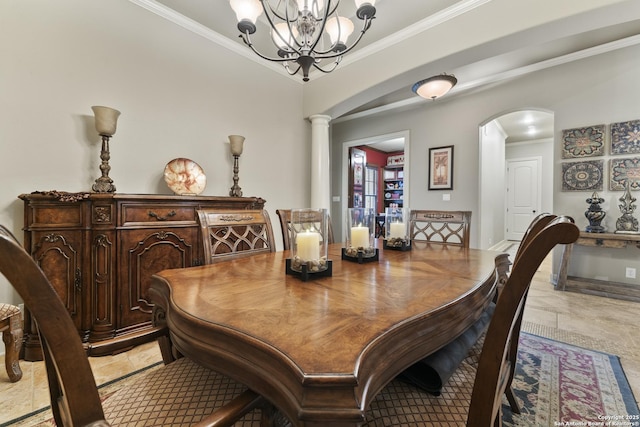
[(435, 87), (306, 33)]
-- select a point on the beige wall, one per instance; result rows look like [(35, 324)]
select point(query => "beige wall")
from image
[(180, 96)]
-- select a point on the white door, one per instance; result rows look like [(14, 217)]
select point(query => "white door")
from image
[(523, 195)]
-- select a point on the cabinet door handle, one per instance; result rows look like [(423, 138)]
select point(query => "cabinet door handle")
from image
[(152, 214)]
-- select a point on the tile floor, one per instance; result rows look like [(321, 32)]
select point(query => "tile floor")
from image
[(589, 321)]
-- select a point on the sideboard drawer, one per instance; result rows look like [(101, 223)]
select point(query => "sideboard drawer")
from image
[(158, 213), (45, 215)]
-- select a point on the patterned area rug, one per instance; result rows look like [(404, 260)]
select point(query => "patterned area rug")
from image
[(556, 384), (561, 384)]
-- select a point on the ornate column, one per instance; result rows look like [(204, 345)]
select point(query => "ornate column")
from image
[(320, 163)]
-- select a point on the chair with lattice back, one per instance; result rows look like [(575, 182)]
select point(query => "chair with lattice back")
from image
[(475, 397), (285, 224), (230, 234), (180, 393), (441, 227)]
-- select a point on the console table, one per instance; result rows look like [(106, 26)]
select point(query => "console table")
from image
[(99, 251), (598, 287)]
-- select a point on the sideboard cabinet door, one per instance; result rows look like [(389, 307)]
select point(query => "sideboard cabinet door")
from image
[(142, 254)]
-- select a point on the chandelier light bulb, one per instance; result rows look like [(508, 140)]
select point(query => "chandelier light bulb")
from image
[(247, 10), (339, 29), (283, 37)]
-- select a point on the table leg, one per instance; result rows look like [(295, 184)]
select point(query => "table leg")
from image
[(561, 282)]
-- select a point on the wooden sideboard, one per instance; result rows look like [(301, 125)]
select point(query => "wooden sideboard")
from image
[(593, 286), (99, 251)]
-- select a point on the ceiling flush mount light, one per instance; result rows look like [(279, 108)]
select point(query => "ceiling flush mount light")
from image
[(304, 32), (435, 87)]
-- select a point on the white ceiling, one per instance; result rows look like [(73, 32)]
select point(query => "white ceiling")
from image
[(608, 28)]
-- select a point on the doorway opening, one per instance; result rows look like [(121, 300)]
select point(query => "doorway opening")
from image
[(388, 143), (516, 173)]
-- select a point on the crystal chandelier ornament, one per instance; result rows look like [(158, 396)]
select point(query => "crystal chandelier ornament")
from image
[(305, 33)]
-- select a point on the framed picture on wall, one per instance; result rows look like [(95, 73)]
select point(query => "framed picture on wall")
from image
[(441, 168)]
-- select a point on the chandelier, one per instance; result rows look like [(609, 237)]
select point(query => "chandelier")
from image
[(305, 32)]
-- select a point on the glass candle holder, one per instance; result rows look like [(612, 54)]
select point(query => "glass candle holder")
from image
[(308, 244), (397, 230), (360, 231)]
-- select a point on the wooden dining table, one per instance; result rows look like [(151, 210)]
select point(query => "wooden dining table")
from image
[(321, 349)]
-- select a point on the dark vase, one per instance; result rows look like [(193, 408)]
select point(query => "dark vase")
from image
[(595, 214)]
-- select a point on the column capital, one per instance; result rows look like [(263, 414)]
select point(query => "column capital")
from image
[(315, 118)]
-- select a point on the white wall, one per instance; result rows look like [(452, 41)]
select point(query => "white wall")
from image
[(180, 96), (602, 89)]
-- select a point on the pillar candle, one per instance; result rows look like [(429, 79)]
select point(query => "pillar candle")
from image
[(360, 237), (397, 230), (308, 245)]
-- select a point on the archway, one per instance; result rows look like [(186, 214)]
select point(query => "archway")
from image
[(510, 135)]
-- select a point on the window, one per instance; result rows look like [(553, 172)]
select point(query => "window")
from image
[(371, 188)]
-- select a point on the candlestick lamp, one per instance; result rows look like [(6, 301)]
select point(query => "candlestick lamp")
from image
[(236, 142), (105, 120)]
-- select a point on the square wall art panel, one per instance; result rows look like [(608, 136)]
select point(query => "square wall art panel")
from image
[(583, 176), (625, 137), (623, 170), (583, 142)]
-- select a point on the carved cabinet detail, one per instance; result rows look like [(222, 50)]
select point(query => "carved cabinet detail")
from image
[(99, 252)]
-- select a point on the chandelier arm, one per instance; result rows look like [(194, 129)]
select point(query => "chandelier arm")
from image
[(328, 53), (275, 12), (291, 73), (323, 23), (268, 58), (327, 71), (334, 8)]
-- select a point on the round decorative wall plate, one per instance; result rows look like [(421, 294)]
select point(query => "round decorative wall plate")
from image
[(184, 177)]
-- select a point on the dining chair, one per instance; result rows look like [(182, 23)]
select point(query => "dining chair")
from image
[(479, 402), (11, 329), (180, 393), (442, 227), (285, 224), (444, 361), (228, 234), (536, 225)]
